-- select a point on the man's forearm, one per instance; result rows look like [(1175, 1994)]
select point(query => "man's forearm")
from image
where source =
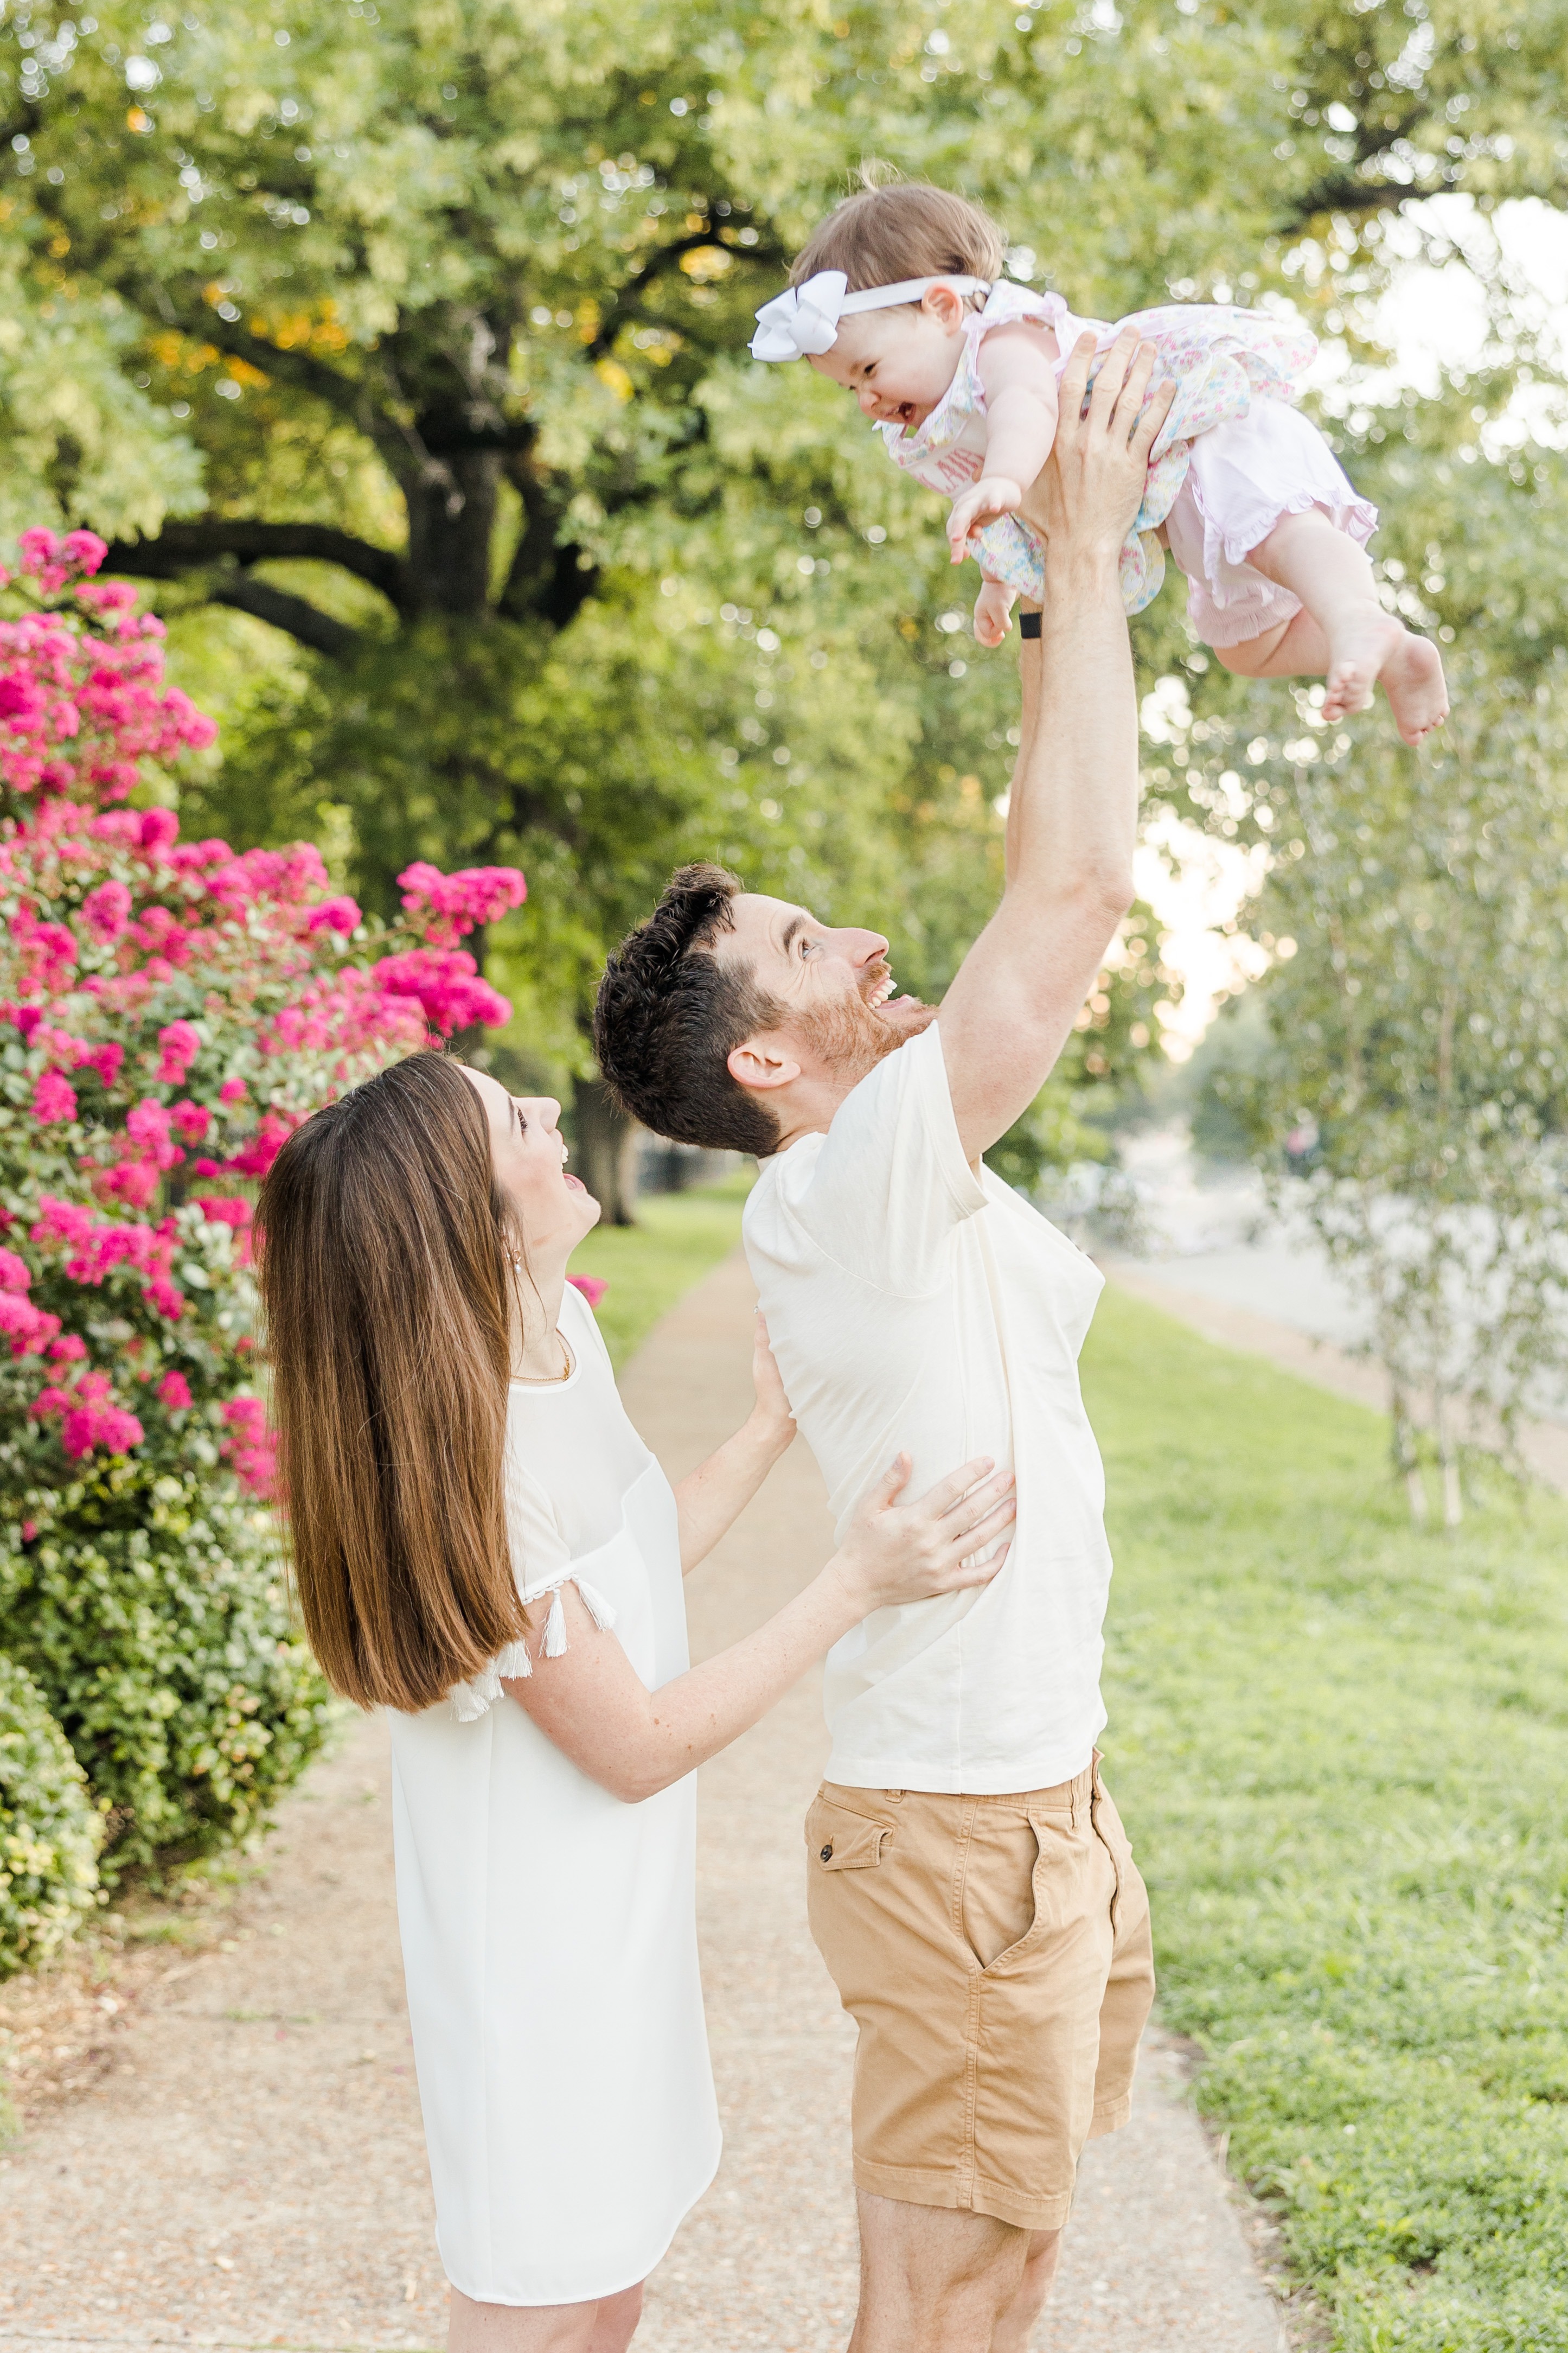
[(1029, 667), (1071, 824), (1073, 810)]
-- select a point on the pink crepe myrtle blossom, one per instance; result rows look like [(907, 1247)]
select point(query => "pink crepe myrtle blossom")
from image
[(89, 1420), (105, 1059), (48, 955), (147, 1125), (250, 1447), (164, 998), (445, 907), (444, 981), (257, 1156), (28, 1329), (179, 1042), (106, 911), (336, 915), (226, 1209), (592, 1286), (54, 1099)]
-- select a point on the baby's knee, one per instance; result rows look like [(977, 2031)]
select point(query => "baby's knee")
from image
[(1254, 658)]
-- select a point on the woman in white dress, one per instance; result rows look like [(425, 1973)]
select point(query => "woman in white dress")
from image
[(483, 1544)]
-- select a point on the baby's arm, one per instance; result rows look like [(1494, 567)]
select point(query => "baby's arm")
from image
[(1020, 384)]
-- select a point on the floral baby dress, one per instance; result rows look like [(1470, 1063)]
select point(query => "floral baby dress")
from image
[(1228, 365)]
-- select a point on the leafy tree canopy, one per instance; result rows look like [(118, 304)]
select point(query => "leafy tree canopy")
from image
[(417, 331)]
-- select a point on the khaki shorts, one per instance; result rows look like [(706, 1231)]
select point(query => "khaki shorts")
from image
[(996, 1954)]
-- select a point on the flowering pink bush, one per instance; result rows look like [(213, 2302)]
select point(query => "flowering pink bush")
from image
[(173, 1011), (169, 1011)]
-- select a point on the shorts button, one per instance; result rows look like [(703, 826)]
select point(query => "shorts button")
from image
[(827, 1855)]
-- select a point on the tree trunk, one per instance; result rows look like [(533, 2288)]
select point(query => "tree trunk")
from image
[(606, 1151), (1448, 1455), (1407, 1457), (451, 505)]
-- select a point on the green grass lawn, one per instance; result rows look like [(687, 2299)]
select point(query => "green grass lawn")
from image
[(677, 1237), (1341, 1748)]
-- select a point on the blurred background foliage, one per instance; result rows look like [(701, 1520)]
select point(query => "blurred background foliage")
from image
[(400, 349)]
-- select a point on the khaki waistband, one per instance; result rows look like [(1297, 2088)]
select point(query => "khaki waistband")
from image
[(1060, 1797)]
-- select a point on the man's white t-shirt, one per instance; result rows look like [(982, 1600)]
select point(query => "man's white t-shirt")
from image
[(913, 1305)]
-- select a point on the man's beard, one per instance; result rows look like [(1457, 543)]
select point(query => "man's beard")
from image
[(849, 1036)]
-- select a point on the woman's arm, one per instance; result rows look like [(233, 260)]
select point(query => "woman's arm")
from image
[(592, 1705), (710, 1498), (1021, 424)]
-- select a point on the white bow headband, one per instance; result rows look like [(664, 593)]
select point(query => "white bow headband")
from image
[(805, 318)]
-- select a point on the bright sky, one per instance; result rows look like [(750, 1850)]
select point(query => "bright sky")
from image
[(1434, 317)]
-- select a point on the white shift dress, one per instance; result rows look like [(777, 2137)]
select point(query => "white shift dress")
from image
[(548, 1931)]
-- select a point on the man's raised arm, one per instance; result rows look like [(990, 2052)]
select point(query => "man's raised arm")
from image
[(1072, 820)]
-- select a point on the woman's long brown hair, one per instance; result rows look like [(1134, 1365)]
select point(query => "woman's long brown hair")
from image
[(382, 1259)]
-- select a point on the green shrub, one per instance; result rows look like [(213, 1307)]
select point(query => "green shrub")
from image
[(49, 1829), (150, 1606)]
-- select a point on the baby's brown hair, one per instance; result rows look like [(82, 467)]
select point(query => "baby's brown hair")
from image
[(884, 234)]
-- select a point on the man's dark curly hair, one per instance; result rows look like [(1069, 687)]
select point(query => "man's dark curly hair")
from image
[(668, 1014)]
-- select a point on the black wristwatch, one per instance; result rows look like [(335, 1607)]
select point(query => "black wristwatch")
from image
[(1028, 625)]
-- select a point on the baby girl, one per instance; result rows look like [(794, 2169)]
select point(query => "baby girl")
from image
[(898, 296)]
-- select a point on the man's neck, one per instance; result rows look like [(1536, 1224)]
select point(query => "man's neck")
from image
[(811, 1105)]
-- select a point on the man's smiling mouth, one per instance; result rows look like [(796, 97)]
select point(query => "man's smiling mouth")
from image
[(881, 998)]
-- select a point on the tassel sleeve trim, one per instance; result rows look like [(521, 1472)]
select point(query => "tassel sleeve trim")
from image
[(472, 1700)]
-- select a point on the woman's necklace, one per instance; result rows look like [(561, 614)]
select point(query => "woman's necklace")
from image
[(550, 1380), (569, 1365)]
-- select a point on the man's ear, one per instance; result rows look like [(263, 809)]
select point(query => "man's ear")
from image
[(762, 1061)]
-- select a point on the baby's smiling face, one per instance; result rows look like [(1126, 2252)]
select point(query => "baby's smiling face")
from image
[(898, 362)]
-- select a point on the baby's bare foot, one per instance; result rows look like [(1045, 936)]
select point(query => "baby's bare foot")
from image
[(1413, 679), (1358, 650)]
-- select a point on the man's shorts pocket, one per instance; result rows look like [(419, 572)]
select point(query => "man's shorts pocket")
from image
[(1130, 1903), (838, 1840)]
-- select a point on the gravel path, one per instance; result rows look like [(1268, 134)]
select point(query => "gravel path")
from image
[(246, 2168)]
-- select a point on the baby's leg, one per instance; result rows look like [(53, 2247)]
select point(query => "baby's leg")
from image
[(1352, 642)]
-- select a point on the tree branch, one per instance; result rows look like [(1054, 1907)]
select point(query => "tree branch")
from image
[(450, 436), (305, 622), (181, 547), (623, 303), (348, 394), (1340, 194), (1337, 192)]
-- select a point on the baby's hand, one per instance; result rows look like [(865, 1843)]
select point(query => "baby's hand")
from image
[(993, 495), (993, 613)]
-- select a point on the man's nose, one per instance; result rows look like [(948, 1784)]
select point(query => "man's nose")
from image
[(863, 947)]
